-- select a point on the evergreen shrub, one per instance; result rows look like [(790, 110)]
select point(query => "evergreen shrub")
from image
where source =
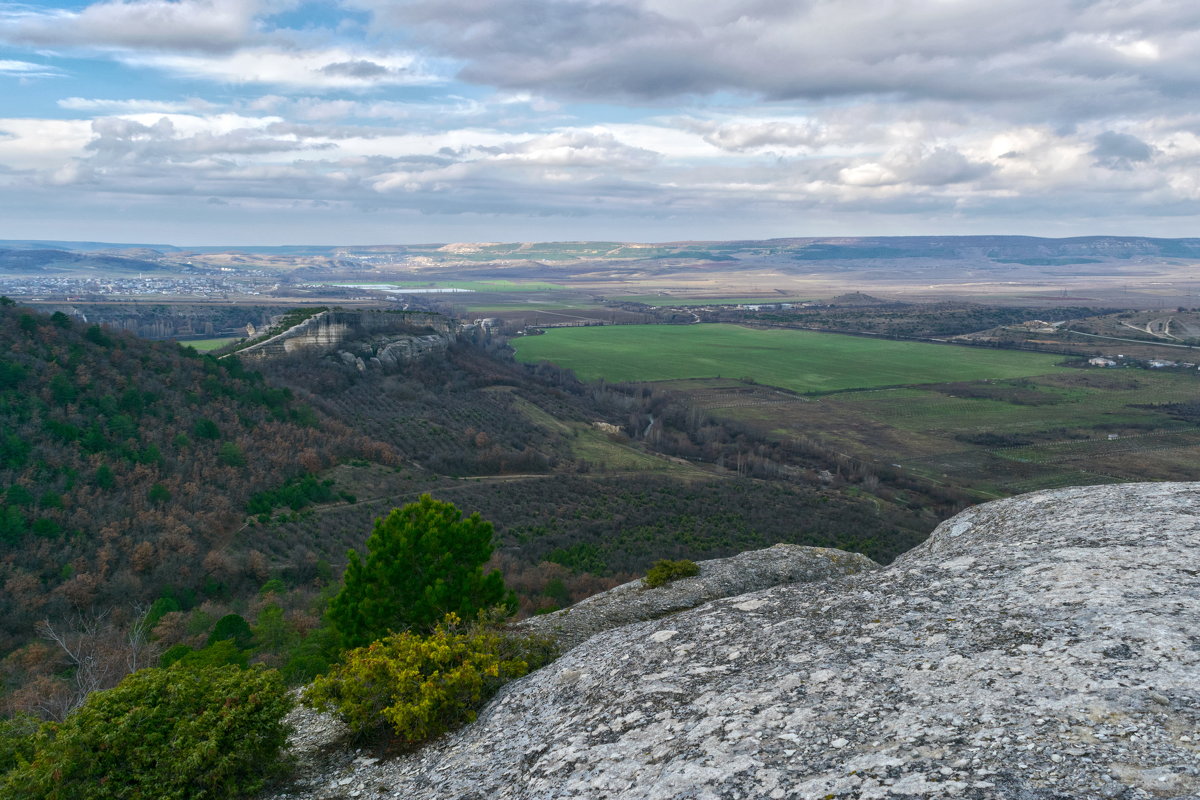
[(167, 734), (664, 571), (424, 561)]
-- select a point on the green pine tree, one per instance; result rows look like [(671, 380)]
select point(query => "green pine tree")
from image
[(423, 562)]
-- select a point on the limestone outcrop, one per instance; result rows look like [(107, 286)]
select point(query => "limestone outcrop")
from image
[(1045, 646), (391, 335)]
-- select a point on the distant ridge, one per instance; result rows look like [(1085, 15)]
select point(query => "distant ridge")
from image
[(39, 261), (815, 248), (86, 247)]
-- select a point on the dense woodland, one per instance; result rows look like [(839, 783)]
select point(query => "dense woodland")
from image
[(151, 494), (126, 466)]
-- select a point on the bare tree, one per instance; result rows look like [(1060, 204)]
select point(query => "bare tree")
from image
[(99, 654), (142, 652), (81, 644)]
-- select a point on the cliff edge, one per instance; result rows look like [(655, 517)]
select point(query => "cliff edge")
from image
[(1043, 646)]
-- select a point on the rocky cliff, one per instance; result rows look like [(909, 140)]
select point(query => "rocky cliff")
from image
[(1045, 646), (383, 339)]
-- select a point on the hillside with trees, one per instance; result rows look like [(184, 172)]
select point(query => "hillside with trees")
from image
[(126, 466)]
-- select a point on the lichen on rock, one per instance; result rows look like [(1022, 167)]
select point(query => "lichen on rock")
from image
[(1044, 646)]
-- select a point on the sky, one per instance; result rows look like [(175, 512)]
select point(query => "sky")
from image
[(415, 121)]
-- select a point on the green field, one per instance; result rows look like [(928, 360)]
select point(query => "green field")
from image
[(668, 300), (802, 361), (484, 305), (205, 345)]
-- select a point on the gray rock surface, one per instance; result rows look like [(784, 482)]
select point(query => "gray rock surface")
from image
[(396, 352), (721, 577), (1045, 646)]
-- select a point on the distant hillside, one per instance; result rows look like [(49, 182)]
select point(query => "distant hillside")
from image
[(48, 244), (126, 465), (43, 262), (858, 299), (1028, 250)]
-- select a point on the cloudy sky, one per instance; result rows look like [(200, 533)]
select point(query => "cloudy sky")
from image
[(391, 121)]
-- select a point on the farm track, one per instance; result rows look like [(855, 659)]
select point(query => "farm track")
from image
[(1165, 333), (1133, 341), (758, 402)]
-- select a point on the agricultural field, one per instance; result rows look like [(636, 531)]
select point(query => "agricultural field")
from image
[(671, 300), (800, 361), (496, 286), (995, 438), (993, 422)]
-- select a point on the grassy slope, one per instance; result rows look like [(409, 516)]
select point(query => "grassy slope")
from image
[(799, 360), (205, 345)]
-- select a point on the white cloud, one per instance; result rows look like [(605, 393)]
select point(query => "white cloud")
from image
[(25, 69), (132, 106), (1025, 59), (319, 109), (913, 162), (575, 148), (41, 144), (309, 69), (207, 25)]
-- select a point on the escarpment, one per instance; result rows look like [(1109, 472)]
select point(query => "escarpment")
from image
[(1044, 646), (380, 339)]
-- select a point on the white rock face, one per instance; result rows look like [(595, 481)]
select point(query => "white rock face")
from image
[(398, 337), (1040, 647)]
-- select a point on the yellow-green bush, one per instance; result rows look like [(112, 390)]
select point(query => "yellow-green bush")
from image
[(423, 686), (664, 571)]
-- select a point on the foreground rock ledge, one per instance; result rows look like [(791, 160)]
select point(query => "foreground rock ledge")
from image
[(1044, 646), (720, 577)]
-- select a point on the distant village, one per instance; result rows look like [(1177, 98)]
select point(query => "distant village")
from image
[(75, 288)]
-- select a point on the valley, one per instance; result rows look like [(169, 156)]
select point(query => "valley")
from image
[(604, 408)]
